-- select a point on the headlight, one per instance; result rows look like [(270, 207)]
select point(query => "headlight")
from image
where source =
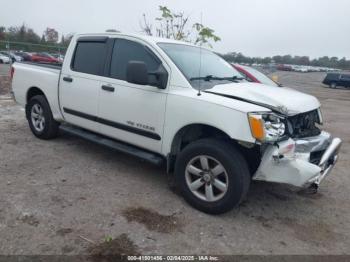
[(320, 117), (267, 127)]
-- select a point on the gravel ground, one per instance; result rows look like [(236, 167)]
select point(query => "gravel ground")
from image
[(5, 69), (4, 85), (69, 196)]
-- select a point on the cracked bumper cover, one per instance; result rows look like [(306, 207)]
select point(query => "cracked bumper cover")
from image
[(293, 161)]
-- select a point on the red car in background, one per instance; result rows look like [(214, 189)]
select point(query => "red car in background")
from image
[(44, 58), (253, 75), (283, 67)]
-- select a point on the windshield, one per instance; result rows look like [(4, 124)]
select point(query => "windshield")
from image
[(260, 76), (201, 67)]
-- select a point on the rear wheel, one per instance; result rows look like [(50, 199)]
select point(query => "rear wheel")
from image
[(212, 175), (40, 119)]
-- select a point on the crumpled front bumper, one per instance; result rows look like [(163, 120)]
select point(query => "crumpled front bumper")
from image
[(300, 162)]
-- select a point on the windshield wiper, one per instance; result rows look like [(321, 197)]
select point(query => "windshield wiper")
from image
[(211, 77)]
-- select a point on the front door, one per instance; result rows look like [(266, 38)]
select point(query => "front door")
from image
[(130, 112)]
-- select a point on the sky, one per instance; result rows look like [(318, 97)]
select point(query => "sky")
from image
[(254, 27)]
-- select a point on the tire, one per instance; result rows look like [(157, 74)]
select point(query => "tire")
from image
[(234, 175), (38, 110), (333, 85)]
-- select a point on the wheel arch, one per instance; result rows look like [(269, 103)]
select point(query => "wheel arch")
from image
[(193, 132), (34, 91)]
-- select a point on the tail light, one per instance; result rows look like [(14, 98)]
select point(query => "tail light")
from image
[(12, 72)]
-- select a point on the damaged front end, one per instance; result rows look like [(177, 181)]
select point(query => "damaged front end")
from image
[(303, 156), (300, 162)]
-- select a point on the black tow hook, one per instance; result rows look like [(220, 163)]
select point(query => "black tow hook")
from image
[(312, 189)]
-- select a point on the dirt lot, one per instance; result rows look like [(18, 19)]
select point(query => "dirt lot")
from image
[(69, 196), (4, 69)]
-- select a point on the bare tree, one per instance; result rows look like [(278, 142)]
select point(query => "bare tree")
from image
[(175, 25), (145, 26), (51, 35)]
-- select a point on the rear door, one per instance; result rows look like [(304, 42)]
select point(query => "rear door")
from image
[(80, 82)]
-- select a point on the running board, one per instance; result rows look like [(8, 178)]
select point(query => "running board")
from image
[(113, 144)]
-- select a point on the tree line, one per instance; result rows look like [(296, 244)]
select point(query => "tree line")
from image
[(325, 61), (26, 39), (170, 24)]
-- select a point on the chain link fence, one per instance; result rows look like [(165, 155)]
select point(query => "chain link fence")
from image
[(12, 51), (31, 47)]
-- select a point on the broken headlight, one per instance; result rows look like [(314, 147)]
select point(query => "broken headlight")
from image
[(267, 127), (320, 117)]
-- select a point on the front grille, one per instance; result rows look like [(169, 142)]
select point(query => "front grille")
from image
[(304, 125)]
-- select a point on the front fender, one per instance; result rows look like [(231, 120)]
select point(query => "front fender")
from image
[(183, 111)]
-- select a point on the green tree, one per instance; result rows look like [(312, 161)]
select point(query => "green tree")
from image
[(31, 36), (65, 39), (43, 40), (2, 33)]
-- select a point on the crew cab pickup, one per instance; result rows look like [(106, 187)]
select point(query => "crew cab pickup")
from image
[(182, 105)]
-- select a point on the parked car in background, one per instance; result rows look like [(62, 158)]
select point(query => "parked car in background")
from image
[(25, 56), (44, 58), (314, 69), (4, 59), (59, 57), (337, 79), (12, 56), (300, 68), (283, 67), (253, 75)]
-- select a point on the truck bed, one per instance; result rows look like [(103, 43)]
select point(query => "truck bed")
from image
[(29, 77), (47, 65)]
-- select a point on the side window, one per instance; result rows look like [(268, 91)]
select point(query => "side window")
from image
[(89, 57), (345, 77), (125, 51)]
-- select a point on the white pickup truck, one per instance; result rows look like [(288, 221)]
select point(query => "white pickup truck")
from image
[(175, 103)]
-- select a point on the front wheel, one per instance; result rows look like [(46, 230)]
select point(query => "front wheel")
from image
[(333, 85), (212, 175), (40, 119)]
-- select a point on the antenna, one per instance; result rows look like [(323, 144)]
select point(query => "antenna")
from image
[(200, 61)]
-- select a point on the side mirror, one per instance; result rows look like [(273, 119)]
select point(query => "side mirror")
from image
[(136, 73), (159, 78)]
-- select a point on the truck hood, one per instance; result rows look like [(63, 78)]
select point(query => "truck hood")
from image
[(279, 99)]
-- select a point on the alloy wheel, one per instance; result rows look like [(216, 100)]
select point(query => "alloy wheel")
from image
[(37, 117), (206, 178)]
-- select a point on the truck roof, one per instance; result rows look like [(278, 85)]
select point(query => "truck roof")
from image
[(147, 38)]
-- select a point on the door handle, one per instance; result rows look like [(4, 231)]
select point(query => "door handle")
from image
[(108, 88), (68, 79)]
